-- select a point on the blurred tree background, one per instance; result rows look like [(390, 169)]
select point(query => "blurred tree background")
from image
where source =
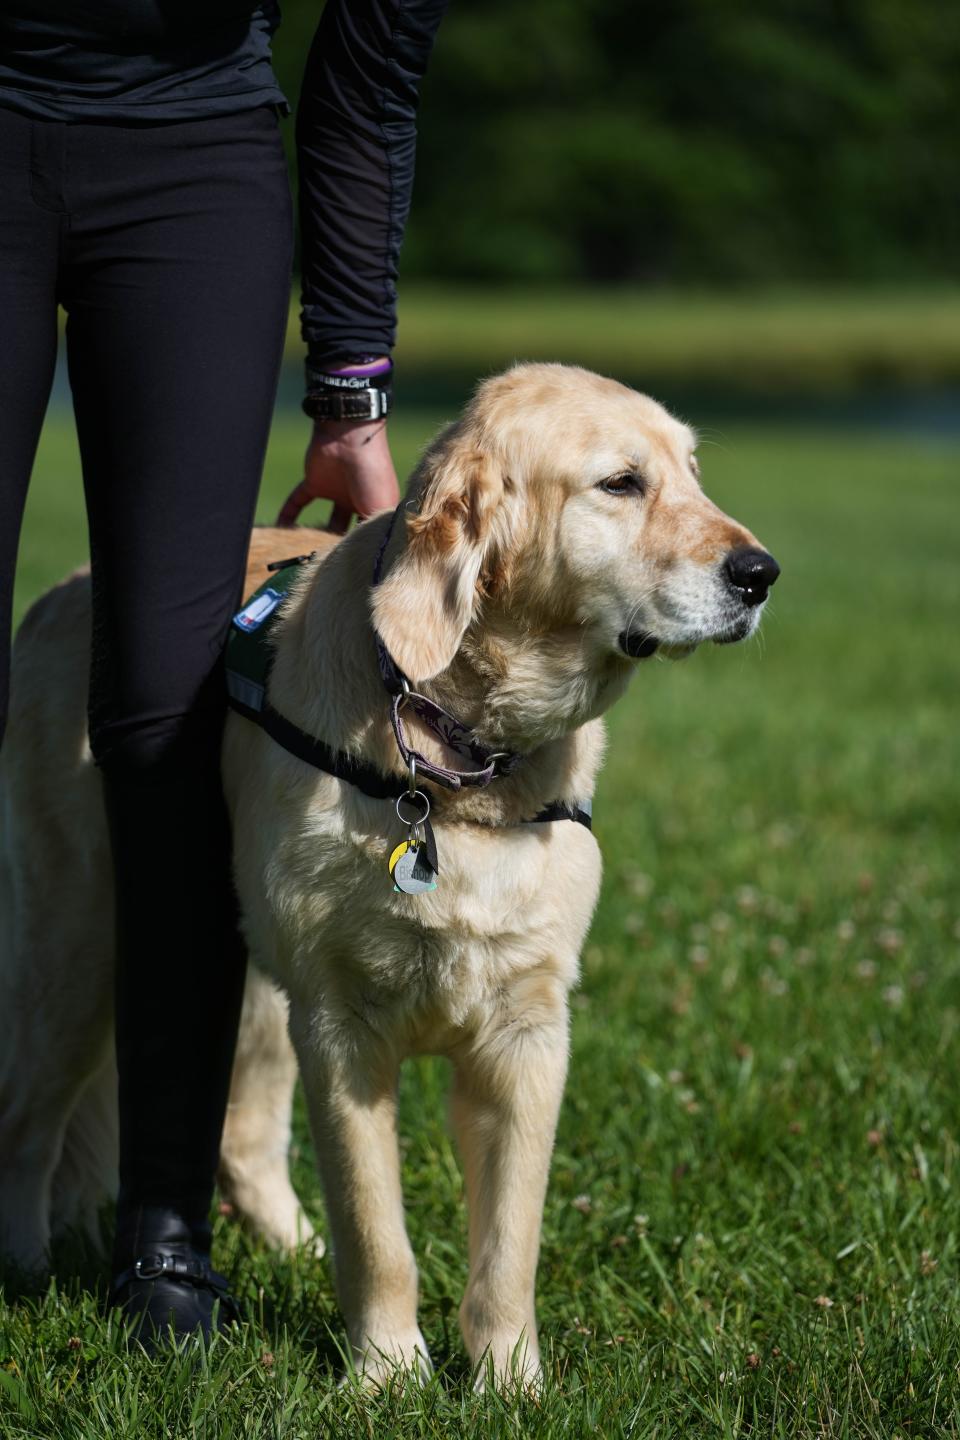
[(683, 141)]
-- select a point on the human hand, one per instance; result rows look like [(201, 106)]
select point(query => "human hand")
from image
[(348, 462)]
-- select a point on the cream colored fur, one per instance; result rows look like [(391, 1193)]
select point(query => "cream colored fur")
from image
[(505, 593)]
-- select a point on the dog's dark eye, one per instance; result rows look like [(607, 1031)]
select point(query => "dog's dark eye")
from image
[(628, 483)]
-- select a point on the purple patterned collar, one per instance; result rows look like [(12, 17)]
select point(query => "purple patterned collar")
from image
[(488, 764)]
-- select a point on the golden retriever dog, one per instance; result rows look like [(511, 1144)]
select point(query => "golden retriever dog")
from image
[(552, 539)]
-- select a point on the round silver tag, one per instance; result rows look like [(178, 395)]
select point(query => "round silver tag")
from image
[(413, 873)]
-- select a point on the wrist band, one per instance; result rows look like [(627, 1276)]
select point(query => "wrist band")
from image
[(368, 404), (367, 372)]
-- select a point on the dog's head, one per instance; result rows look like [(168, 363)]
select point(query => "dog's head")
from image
[(566, 503)]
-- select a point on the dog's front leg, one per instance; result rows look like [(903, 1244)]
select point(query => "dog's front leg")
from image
[(508, 1083), (350, 1080), (254, 1171)]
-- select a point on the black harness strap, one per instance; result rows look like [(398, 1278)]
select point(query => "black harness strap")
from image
[(559, 810), (316, 753)]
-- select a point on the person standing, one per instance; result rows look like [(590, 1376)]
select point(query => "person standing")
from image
[(145, 190)]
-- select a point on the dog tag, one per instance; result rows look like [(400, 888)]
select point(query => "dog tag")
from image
[(401, 849), (413, 874)]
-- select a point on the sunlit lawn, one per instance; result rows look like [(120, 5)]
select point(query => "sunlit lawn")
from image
[(753, 1218)]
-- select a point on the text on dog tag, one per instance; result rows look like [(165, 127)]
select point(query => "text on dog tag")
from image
[(413, 874)]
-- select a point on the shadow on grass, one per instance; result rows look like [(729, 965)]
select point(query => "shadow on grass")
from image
[(78, 1266), (288, 1306), (286, 1300)]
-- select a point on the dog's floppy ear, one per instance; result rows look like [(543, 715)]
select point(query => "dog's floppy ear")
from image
[(423, 607)]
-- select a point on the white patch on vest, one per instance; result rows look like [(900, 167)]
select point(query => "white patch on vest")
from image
[(252, 616)]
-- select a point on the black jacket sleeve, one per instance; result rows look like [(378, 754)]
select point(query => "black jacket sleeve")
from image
[(356, 140)]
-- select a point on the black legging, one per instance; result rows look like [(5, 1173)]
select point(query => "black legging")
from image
[(169, 247)]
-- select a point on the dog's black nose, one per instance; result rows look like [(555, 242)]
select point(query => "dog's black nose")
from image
[(752, 572)]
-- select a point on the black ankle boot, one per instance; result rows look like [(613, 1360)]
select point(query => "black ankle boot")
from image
[(179, 988), (162, 1277)]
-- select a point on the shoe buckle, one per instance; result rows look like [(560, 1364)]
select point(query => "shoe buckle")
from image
[(149, 1267)]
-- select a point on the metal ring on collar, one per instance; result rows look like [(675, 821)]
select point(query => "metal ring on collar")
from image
[(496, 755), (409, 800)]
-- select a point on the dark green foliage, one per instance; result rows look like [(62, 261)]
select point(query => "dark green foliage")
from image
[(684, 140)]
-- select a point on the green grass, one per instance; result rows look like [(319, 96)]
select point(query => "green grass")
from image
[(753, 1220)]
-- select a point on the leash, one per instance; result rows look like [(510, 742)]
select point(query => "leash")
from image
[(414, 864)]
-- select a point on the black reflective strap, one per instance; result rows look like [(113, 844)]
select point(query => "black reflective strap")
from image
[(558, 810), (357, 772), (314, 752)]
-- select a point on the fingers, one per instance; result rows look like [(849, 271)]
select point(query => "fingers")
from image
[(340, 518), (339, 521), (294, 503)]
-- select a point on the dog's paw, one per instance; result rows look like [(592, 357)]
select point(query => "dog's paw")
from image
[(395, 1359), (276, 1219), (316, 1246), (301, 1236), (509, 1369)]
